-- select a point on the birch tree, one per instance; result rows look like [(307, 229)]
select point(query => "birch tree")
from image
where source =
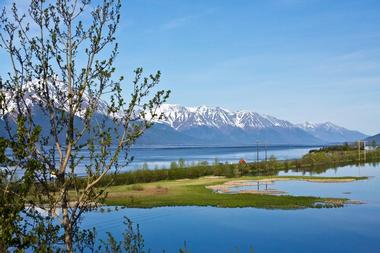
[(54, 118)]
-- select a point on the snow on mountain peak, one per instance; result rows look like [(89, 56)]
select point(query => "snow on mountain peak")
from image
[(181, 117), (326, 125), (57, 94), (329, 125), (307, 125)]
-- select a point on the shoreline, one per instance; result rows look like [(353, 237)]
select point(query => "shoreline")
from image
[(226, 187)]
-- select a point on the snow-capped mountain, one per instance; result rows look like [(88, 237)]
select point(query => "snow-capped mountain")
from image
[(181, 117), (57, 93), (331, 133), (216, 125), (204, 125), (34, 101)]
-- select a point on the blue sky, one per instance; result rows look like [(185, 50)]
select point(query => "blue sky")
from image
[(300, 60), (315, 60)]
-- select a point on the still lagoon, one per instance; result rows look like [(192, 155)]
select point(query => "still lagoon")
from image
[(353, 228)]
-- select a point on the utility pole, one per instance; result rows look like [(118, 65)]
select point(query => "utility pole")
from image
[(364, 151), (257, 151), (359, 150), (266, 152)]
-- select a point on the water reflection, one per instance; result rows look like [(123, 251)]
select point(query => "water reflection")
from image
[(207, 229)]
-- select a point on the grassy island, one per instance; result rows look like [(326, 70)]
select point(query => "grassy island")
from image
[(184, 185), (194, 192)]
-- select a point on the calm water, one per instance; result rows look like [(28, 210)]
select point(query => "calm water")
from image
[(163, 156), (354, 228)]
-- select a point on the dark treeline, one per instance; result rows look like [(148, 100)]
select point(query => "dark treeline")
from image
[(345, 147), (316, 162)]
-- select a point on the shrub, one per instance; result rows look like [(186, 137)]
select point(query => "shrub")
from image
[(137, 187)]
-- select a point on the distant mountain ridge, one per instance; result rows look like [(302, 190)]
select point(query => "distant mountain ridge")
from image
[(219, 126), (375, 138), (330, 132), (181, 117), (204, 125)]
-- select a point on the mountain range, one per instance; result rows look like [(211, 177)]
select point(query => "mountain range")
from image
[(205, 125), (218, 126)]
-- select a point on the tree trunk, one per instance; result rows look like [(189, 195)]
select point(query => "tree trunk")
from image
[(67, 226), (68, 230)]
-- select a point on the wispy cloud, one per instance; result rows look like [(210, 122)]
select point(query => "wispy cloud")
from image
[(360, 62), (178, 22)]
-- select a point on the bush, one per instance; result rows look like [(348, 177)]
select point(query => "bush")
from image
[(137, 187)]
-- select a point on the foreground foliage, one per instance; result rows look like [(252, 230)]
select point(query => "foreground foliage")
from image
[(61, 70)]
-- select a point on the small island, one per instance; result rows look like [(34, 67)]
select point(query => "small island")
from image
[(203, 192)]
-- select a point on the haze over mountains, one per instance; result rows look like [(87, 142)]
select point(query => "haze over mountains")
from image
[(205, 125)]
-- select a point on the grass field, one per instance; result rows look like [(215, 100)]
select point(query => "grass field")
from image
[(193, 192)]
